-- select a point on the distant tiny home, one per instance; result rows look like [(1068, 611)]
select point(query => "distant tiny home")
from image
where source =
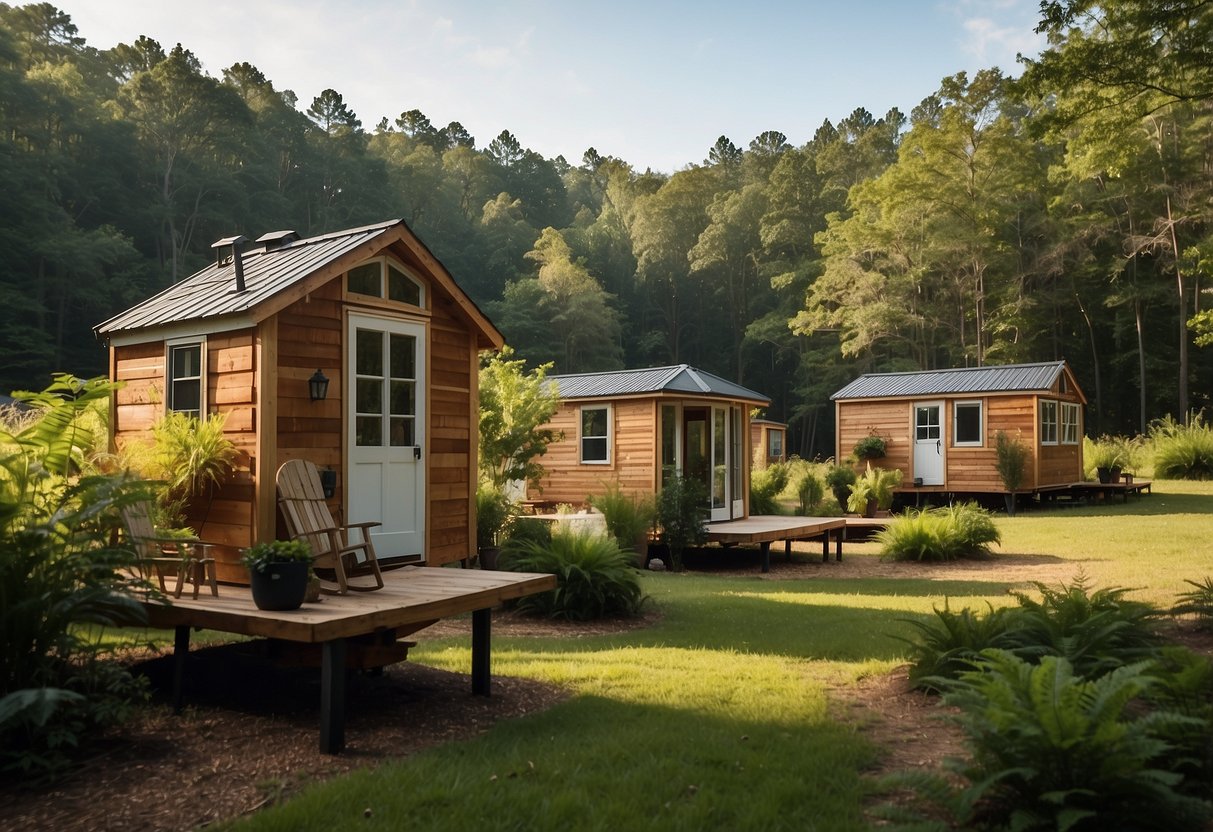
[(356, 350), (940, 426), (638, 427), (768, 440)]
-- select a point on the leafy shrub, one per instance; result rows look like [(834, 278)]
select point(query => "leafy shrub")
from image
[(809, 492), (1197, 602), (1183, 452), (1011, 460), (680, 514), (595, 578), (629, 517), (261, 555), (870, 447), (964, 530), (1053, 750), (874, 484), (839, 480), (493, 510), (58, 577), (951, 643), (765, 487)]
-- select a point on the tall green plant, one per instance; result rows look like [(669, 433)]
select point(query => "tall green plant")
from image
[(57, 575), (514, 405), (680, 514), (1183, 451), (765, 487), (190, 456), (1011, 460), (629, 517)]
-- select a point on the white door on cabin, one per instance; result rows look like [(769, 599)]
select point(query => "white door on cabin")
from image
[(928, 443), (385, 373)]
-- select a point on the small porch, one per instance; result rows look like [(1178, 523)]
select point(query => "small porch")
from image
[(766, 529)]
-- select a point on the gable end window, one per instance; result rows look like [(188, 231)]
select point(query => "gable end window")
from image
[(596, 435), (1069, 423), (185, 378), (384, 278), (967, 425), (1048, 422)]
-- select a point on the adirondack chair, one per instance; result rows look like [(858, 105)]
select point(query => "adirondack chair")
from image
[(338, 552), (162, 558)]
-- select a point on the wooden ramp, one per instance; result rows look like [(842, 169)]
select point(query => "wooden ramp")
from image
[(764, 529)]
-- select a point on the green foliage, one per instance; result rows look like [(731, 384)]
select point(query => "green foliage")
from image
[(839, 479), (595, 577), (493, 510), (1111, 452), (963, 530), (680, 514), (870, 447), (514, 404), (58, 577), (874, 484), (1183, 451), (258, 557), (809, 493), (629, 517), (1012, 460), (765, 487), (1197, 602), (1053, 750), (951, 643)]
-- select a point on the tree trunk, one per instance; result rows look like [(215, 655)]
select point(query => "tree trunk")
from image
[(1183, 320)]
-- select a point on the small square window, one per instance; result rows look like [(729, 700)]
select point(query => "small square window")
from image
[(596, 435), (966, 425)]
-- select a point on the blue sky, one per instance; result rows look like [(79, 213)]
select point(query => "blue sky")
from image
[(653, 83)]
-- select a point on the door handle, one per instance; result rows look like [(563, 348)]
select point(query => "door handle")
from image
[(939, 446)]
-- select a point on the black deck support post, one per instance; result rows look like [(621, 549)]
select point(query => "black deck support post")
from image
[(825, 546), (839, 534), (787, 550), (764, 549), (181, 651), (332, 696), (482, 635)]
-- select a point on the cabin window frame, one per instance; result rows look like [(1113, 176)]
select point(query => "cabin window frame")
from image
[(775, 443), (1069, 430), (607, 439), (386, 263), (171, 346), (980, 441), (1049, 432)]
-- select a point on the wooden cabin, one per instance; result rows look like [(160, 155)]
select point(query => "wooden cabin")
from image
[(768, 441), (637, 427), (355, 350), (940, 426)]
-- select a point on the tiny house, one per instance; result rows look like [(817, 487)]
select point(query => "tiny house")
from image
[(940, 426), (356, 350), (768, 441), (637, 428)]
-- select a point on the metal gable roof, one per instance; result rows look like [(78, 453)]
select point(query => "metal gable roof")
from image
[(678, 379), (211, 292), (1004, 379)]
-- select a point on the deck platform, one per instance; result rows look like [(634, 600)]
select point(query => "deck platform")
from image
[(764, 529), (411, 598)]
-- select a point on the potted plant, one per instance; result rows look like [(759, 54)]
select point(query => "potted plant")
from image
[(1012, 461), (870, 447), (492, 514), (1107, 457), (839, 479), (873, 491), (278, 573)]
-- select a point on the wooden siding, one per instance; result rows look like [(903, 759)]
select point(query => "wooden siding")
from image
[(633, 462)]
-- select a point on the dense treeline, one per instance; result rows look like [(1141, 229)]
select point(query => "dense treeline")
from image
[(1063, 215)]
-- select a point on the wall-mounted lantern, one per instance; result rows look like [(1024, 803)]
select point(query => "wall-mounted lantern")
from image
[(318, 386)]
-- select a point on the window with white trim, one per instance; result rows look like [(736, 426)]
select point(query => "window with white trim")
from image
[(967, 425), (184, 377), (775, 444), (1048, 422), (384, 278), (596, 434), (1070, 434)]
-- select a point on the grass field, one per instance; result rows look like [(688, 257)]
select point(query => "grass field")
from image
[(717, 716)]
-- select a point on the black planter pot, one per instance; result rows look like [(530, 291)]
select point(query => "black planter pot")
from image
[(280, 587)]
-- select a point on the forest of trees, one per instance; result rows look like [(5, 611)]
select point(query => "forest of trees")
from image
[(1065, 214)]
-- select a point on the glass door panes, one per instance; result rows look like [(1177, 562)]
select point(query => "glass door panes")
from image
[(926, 423), (385, 389), (719, 458)]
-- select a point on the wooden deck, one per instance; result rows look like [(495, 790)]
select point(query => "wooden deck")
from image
[(765, 529), (412, 598)]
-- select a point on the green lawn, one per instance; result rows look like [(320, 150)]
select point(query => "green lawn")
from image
[(716, 717)]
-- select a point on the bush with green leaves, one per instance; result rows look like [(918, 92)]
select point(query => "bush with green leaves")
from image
[(259, 556), (629, 517), (839, 479), (1197, 602), (809, 494), (1050, 749), (1182, 452), (681, 514), (765, 487), (963, 530), (874, 484), (595, 578), (59, 577), (950, 643), (493, 510)]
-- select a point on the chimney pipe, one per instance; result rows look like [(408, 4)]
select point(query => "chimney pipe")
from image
[(237, 260)]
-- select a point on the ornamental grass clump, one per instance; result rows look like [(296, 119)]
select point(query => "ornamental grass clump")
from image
[(964, 530), (629, 517), (595, 578), (1182, 452)]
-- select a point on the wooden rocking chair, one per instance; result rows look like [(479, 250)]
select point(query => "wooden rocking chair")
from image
[(301, 500), (162, 558)]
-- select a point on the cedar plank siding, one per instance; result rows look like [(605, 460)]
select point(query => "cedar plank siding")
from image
[(633, 454)]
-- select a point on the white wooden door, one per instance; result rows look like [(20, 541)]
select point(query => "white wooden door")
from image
[(928, 443), (386, 460)]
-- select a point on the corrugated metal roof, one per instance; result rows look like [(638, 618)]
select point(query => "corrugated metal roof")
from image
[(212, 293), (1003, 379), (678, 379)]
